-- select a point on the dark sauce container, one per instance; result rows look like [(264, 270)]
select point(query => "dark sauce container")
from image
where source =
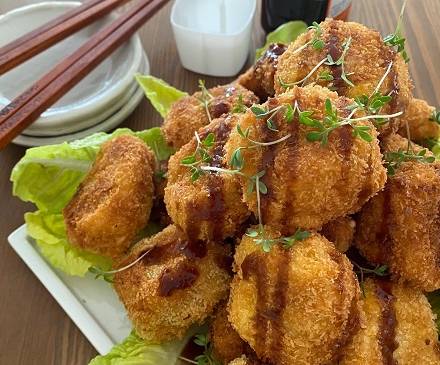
[(277, 12)]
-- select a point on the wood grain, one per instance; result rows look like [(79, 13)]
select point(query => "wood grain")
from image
[(34, 329)]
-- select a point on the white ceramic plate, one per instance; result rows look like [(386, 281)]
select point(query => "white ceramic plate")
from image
[(96, 92), (92, 304)]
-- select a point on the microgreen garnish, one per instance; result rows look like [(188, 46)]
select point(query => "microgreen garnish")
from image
[(207, 358), (316, 42), (261, 112), (393, 160), (108, 275), (341, 61), (435, 116), (200, 156), (205, 98), (396, 39), (266, 244), (325, 76), (378, 270), (239, 106)]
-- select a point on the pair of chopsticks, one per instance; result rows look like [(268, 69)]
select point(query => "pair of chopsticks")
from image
[(27, 107)]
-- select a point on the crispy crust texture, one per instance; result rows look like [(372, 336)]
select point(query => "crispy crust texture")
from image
[(114, 201), (308, 184), (295, 306), (400, 227), (158, 303), (188, 114), (340, 232), (210, 207), (419, 118), (404, 315), (368, 58)]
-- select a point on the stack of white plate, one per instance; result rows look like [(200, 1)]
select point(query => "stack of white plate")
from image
[(99, 102)]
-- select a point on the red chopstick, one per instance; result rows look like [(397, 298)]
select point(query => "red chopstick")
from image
[(32, 43), (27, 107)]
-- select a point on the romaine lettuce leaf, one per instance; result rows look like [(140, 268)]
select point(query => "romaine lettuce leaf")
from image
[(134, 351), (160, 94), (48, 176), (285, 33)]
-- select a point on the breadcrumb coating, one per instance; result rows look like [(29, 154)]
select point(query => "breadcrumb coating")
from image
[(210, 207), (400, 226), (397, 326), (294, 306), (309, 184), (114, 201), (176, 285), (340, 232), (422, 127), (365, 63), (188, 114)]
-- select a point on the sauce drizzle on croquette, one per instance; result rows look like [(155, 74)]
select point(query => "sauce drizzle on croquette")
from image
[(387, 327), (181, 277), (335, 52), (383, 235)]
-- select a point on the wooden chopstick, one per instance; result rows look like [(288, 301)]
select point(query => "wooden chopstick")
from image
[(30, 44), (27, 107)]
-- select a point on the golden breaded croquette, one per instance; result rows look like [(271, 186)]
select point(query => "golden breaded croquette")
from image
[(177, 284), (245, 360), (366, 61), (397, 327), (226, 343), (260, 77), (419, 116), (209, 208), (294, 306), (400, 226), (309, 184), (340, 232), (189, 114), (114, 201)]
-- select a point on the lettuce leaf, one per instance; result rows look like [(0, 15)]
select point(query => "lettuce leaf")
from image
[(134, 351), (48, 176), (160, 94), (285, 33)]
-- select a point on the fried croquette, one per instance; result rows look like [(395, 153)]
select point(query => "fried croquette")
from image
[(210, 208), (260, 77), (400, 226), (422, 126), (114, 201), (365, 61), (294, 306), (189, 114), (340, 232), (397, 327), (226, 343), (177, 284), (245, 360), (308, 183)]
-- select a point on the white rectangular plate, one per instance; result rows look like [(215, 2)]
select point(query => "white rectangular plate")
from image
[(91, 304)]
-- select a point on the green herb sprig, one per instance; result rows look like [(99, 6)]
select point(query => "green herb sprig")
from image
[(341, 61), (435, 116), (317, 42), (260, 238), (200, 156), (239, 106), (261, 112), (205, 98), (378, 270), (396, 39), (393, 160)]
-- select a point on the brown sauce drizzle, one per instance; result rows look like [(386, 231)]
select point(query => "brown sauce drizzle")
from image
[(273, 52), (181, 277), (387, 326), (335, 51), (193, 249), (383, 238)]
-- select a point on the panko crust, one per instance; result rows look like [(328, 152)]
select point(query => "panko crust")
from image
[(177, 284), (308, 184), (421, 125), (226, 342), (188, 114), (367, 58), (210, 208), (400, 227), (260, 77), (340, 232), (397, 325), (297, 305), (114, 201)]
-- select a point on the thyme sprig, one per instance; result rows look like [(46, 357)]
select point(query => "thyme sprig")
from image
[(200, 156), (393, 160), (396, 39), (317, 42), (207, 358), (435, 116), (378, 270), (239, 106), (261, 112), (260, 238), (205, 98), (341, 61)]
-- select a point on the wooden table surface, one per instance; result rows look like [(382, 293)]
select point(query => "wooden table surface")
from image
[(33, 328)]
